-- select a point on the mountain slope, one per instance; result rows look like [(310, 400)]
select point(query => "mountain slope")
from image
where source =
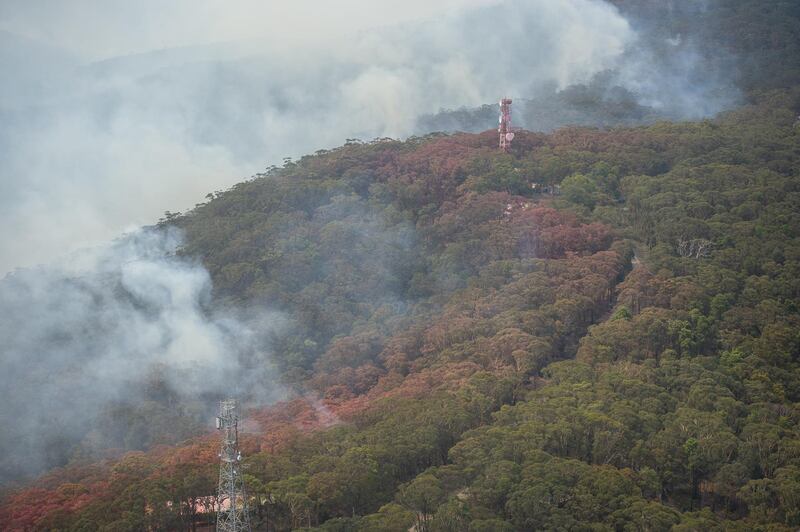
[(468, 354)]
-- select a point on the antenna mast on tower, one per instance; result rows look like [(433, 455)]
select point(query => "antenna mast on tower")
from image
[(232, 511), (506, 135)]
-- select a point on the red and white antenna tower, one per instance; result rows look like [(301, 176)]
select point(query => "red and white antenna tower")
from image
[(506, 135)]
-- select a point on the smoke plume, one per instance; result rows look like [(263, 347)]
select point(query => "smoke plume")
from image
[(93, 143), (114, 339)]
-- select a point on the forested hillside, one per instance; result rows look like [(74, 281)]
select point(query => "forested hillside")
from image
[(467, 353), (599, 330)]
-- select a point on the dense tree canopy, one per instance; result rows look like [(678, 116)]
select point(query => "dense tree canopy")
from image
[(465, 352), (484, 357)]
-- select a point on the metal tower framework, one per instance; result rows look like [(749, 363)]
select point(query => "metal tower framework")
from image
[(232, 511), (506, 135)]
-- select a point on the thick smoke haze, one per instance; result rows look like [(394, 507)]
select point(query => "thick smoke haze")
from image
[(93, 142), (116, 327), (113, 112)]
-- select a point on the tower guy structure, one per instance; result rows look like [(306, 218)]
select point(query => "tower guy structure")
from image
[(232, 511), (506, 135)]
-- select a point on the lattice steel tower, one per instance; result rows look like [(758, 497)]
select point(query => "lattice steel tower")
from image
[(232, 511), (506, 134)]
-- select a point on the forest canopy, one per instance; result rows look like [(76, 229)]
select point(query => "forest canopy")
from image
[(488, 357), (599, 330)]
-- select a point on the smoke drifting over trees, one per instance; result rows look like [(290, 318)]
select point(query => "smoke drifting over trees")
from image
[(430, 333), (679, 63), (102, 349), (93, 143)]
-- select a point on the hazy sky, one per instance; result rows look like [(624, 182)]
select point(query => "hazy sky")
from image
[(112, 111), (99, 29)]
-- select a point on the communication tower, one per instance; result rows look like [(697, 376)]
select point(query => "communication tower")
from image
[(506, 135), (232, 511)]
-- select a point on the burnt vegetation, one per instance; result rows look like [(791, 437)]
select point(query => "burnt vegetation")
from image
[(466, 353)]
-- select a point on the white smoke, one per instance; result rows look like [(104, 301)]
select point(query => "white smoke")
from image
[(93, 141), (90, 148), (91, 331)]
